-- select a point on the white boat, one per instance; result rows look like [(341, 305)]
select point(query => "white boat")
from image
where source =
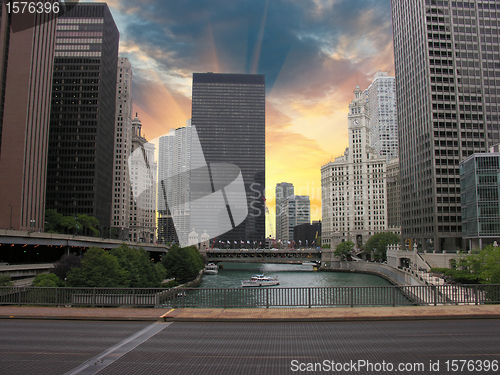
[(211, 269), (310, 264), (260, 280)]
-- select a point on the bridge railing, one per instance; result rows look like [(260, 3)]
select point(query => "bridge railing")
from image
[(255, 297)]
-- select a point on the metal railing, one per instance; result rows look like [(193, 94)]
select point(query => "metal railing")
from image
[(255, 297)]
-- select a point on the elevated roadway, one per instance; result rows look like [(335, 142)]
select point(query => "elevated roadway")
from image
[(26, 238)]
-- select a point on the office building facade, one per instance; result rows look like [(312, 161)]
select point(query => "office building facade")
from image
[(228, 111), (447, 65), (120, 220), (283, 191), (295, 210), (174, 163), (307, 235), (393, 196), (380, 99), (26, 64), (82, 119), (142, 171), (480, 199), (354, 186)]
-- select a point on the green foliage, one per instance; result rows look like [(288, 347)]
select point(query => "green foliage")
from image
[(458, 276), (170, 284), (141, 271), (344, 249), (87, 225), (325, 246), (84, 224), (53, 221), (478, 267), (183, 263), (63, 265), (161, 271), (377, 244), (98, 269), (5, 280), (484, 264), (47, 280)]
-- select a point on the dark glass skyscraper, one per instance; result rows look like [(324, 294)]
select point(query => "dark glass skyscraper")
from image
[(229, 115), (82, 119)]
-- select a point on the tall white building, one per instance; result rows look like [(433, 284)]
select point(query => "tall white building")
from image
[(142, 170), (174, 159), (120, 218), (380, 99), (283, 191), (354, 185), (295, 210)]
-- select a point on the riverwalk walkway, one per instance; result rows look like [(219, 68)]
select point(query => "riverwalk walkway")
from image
[(326, 314)]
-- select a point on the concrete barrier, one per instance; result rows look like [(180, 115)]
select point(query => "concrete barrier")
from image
[(389, 273)]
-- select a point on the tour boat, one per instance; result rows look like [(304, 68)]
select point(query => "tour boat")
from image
[(310, 264), (260, 280), (211, 269)]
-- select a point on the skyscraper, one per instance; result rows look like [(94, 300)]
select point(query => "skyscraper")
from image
[(283, 191), (447, 68), (82, 120), (228, 112), (141, 168), (295, 210), (26, 61), (174, 162), (123, 140), (354, 186), (380, 99)]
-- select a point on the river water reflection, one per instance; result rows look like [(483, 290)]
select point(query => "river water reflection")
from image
[(289, 275)]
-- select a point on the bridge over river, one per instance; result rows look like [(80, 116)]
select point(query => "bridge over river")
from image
[(291, 256)]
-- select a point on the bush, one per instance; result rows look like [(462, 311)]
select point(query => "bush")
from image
[(47, 280), (5, 280)]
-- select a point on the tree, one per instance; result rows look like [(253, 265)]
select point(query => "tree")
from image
[(377, 244), (63, 265), (47, 280), (57, 223), (98, 269), (183, 263), (89, 225), (484, 264), (53, 221), (142, 272), (343, 249)]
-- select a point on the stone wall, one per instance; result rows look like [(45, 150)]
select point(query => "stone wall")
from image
[(392, 274)]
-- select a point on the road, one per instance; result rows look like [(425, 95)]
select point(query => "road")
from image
[(61, 347)]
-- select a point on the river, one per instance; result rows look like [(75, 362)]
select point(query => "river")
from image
[(289, 275)]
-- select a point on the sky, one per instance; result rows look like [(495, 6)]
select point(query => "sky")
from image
[(313, 53)]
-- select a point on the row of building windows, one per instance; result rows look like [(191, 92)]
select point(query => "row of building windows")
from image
[(77, 54)]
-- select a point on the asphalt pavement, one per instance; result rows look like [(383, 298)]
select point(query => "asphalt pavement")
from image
[(71, 347)]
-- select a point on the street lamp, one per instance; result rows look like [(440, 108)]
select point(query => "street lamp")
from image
[(10, 226)]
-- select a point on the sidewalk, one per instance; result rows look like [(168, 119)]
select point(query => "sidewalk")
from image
[(334, 314)]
